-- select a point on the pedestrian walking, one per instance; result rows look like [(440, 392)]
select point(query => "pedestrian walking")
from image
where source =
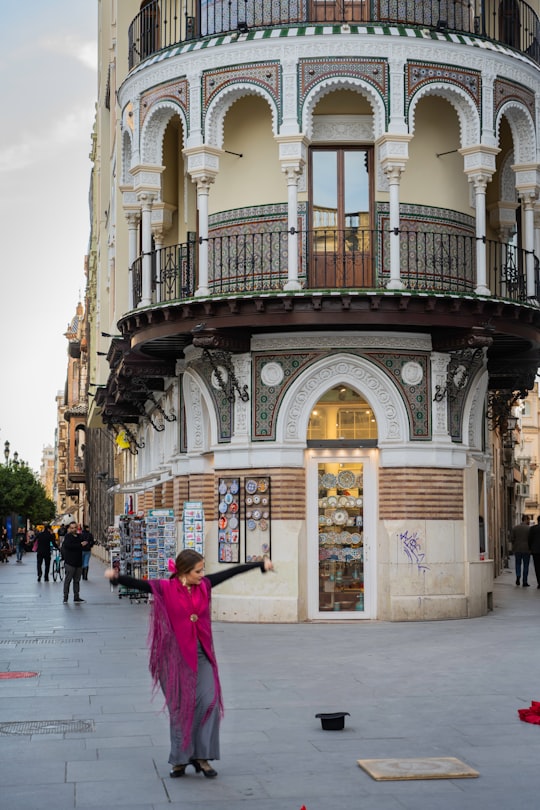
[(182, 658), (87, 535), (72, 552), (20, 542), (43, 541), (519, 538), (534, 548)]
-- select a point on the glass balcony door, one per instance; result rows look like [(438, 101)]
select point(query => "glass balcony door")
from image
[(340, 218)]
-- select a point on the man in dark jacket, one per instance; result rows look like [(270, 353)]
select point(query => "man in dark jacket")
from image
[(72, 551), (44, 540), (534, 546)]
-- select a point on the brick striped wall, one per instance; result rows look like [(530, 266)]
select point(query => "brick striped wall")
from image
[(287, 491), (167, 495), (427, 493)]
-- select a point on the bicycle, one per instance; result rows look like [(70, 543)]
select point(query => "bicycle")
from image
[(57, 567)]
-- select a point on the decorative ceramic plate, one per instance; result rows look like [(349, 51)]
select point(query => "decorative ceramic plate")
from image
[(263, 525), (251, 524), (328, 480), (222, 489), (228, 498), (234, 487), (251, 486), (343, 501), (222, 523), (256, 499), (234, 507), (263, 485), (323, 537), (359, 501), (223, 507), (256, 514), (332, 500), (248, 514), (249, 501), (266, 515), (233, 522), (340, 517), (346, 479), (264, 501), (356, 538)]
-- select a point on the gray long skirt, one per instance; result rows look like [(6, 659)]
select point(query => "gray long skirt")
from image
[(204, 738)]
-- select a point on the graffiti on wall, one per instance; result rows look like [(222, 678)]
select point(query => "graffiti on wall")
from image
[(412, 547)]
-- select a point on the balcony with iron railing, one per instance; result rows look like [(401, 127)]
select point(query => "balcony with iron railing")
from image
[(328, 259), (162, 24)]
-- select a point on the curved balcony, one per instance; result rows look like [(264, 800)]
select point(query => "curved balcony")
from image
[(328, 259), (162, 24)]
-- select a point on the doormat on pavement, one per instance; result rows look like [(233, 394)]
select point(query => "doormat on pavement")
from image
[(47, 727), (422, 768)]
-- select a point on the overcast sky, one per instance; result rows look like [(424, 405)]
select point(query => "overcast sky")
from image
[(48, 92)]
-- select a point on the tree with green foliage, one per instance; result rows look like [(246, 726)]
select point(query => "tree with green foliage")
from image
[(22, 494)]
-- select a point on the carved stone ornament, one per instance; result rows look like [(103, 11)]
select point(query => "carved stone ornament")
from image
[(411, 373), (272, 374)]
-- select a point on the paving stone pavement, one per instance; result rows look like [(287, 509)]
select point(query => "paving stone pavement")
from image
[(84, 732)]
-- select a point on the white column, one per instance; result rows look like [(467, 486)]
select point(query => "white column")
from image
[(203, 190), (528, 200), (133, 220), (146, 297), (480, 182), (292, 173), (393, 174)]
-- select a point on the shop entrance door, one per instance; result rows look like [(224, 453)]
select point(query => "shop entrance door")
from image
[(341, 529)]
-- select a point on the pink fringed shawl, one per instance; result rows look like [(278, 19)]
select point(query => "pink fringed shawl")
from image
[(173, 641)]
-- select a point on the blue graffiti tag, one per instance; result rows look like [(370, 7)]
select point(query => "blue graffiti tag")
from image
[(413, 550)]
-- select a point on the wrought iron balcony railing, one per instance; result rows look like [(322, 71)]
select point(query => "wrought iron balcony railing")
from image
[(163, 23), (352, 259)]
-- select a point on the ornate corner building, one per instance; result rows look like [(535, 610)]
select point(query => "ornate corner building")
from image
[(315, 287)]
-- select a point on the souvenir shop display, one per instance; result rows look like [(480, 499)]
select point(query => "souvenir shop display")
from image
[(130, 555), (229, 520), (257, 518), (193, 526), (341, 538), (160, 525)]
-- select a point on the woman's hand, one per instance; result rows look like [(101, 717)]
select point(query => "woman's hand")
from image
[(111, 573), (268, 564)]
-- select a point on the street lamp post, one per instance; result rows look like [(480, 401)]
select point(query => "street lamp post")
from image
[(6, 452)]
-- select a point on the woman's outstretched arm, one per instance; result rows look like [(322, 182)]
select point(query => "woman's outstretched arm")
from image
[(128, 582), (221, 576)]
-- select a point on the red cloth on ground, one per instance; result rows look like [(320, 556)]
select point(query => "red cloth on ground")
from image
[(532, 714)]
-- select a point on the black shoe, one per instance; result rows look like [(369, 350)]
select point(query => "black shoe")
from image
[(65, 601), (206, 769), (525, 584), (78, 599), (46, 579), (517, 581), (177, 771), (39, 579)]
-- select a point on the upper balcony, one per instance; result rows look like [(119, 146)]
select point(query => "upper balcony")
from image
[(163, 24)]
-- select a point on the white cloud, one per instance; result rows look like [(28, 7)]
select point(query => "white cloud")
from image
[(85, 51), (36, 146)]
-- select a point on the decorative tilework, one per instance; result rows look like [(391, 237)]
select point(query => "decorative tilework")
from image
[(437, 248), (248, 248), (224, 408), (177, 92), (417, 398), (504, 91), (418, 74), (313, 71), (263, 74), (267, 399), (458, 397)]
